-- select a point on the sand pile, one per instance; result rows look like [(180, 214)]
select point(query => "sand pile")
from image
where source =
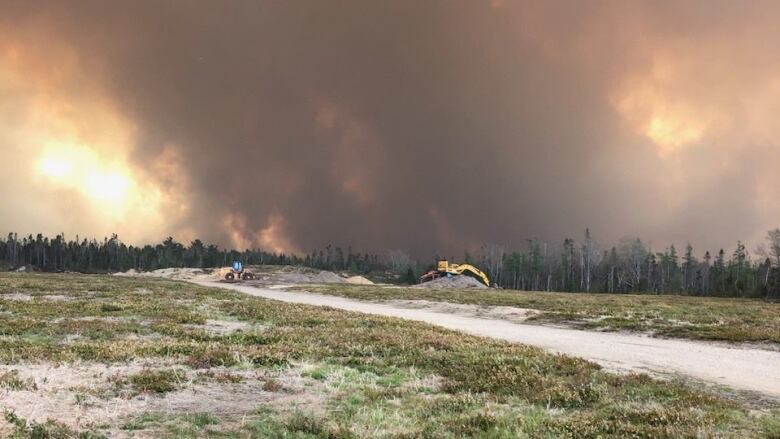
[(453, 282), (172, 273), (359, 280)]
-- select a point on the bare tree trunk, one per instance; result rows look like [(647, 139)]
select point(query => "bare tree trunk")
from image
[(612, 279)]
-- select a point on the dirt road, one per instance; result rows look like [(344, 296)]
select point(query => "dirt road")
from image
[(740, 368)]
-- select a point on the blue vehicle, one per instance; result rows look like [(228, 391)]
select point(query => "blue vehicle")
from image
[(237, 271)]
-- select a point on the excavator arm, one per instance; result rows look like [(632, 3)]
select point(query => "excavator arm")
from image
[(444, 268), (476, 272), (457, 269)]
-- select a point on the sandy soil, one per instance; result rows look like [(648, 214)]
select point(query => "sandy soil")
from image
[(742, 368), (81, 394), (510, 313)]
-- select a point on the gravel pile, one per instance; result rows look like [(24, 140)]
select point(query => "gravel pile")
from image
[(327, 277), (453, 282), (322, 277)]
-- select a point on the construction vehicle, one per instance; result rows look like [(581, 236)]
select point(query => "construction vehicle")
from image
[(444, 268), (237, 271)]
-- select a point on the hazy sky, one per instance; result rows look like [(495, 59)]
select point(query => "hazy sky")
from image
[(429, 126)]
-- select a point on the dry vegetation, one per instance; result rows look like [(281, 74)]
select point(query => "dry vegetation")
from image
[(94, 356), (707, 318)]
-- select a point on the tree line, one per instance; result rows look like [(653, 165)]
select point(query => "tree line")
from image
[(630, 266), (112, 255)]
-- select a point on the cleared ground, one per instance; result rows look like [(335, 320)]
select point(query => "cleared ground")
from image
[(151, 358), (706, 318), (734, 365)]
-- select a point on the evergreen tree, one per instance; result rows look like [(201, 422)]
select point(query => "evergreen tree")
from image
[(409, 277), (689, 269)]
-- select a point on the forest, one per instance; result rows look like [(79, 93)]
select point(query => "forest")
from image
[(630, 266)]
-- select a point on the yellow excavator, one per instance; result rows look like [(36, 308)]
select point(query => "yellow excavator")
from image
[(444, 268)]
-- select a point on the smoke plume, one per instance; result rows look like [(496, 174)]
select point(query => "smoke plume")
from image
[(430, 126)]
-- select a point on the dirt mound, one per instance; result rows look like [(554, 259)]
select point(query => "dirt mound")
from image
[(171, 273), (180, 273), (453, 282), (328, 277), (359, 280)]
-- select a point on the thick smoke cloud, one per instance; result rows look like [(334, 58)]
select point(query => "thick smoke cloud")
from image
[(430, 126)]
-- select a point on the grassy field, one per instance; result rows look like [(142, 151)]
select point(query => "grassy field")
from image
[(708, 318), (94, 356)]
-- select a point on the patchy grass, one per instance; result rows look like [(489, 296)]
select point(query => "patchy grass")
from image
[(374, 376), (51, 429), (155, 381), (11, 380), (707, 318), (175, 425)]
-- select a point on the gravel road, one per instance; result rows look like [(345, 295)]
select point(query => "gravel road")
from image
[(742, 368)]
